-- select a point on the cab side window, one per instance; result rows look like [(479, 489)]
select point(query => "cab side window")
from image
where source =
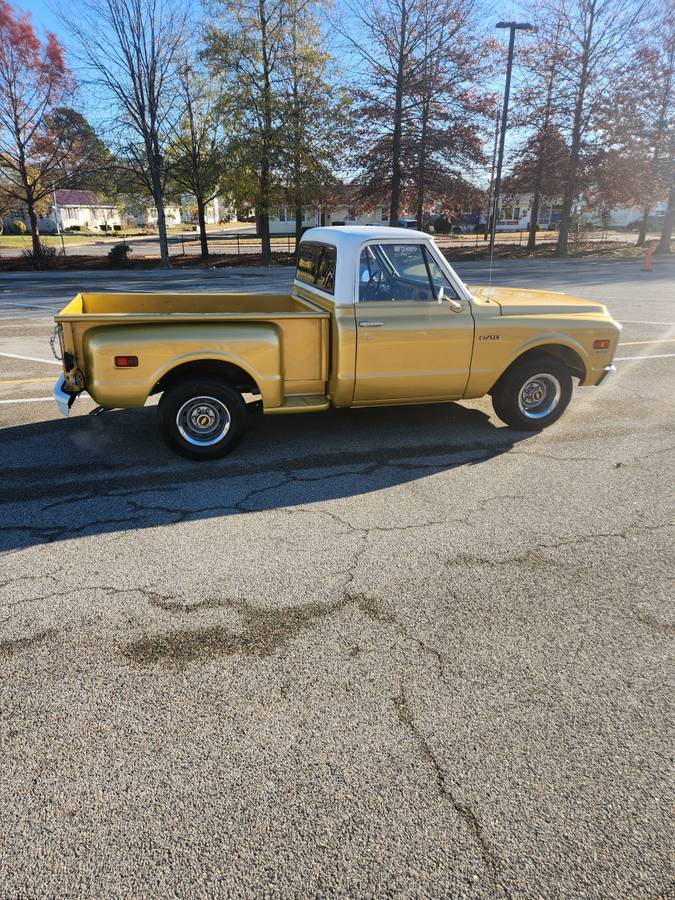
[(400, 272)]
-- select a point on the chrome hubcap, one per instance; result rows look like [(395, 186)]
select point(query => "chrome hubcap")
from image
[(203, 421), (539, 396)]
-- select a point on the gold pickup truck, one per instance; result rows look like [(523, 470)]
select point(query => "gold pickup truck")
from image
[(376, 316)]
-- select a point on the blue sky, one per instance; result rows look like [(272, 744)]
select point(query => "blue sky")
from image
[(45, 19)]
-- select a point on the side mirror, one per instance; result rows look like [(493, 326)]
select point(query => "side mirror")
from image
[(453, 304)]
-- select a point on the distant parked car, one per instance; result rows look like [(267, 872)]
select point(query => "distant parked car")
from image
[(408, 223)]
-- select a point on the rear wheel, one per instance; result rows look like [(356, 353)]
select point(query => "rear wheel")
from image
[(202, 418), (533, 393)]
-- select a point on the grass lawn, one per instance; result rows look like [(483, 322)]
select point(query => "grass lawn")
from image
[(9, 241), (187, 229)]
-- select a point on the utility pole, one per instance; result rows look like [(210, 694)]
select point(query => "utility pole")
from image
[(58, 226), (488, 226), (513, 27)]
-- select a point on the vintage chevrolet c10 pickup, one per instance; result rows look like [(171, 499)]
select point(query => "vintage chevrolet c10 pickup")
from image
[(376, 316)]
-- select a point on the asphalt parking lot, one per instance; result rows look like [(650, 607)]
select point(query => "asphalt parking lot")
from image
[(377, 653)]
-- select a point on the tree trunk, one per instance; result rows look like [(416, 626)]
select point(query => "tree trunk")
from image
[(298, 224), (421, 169), (642, 234), (534, 219), (163, 240), (201, 219), (34, 232), (263, 217), (575, 149), (663, 246), (398, 125)]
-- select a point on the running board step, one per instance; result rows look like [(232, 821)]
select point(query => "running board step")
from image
[(300, 403)]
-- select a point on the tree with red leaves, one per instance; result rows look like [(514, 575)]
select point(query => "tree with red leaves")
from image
[(419, 109), (34, 83)]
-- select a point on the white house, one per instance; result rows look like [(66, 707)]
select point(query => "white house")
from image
[(514, 212), (623, 216), (146, 216), (282, 218), (70, 209), (220, 209)]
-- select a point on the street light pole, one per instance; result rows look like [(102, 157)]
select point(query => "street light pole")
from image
[(513, 27)]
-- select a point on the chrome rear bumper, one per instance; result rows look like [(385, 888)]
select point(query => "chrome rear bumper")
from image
[(62, 399), (608, 370)]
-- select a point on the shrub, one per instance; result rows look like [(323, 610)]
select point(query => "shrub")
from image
[(45, 258), (118, 256), (442, 225), (19, 227), (117, 227)]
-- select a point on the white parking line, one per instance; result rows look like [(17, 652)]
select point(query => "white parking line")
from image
[(636, 322), (635, 343), (28, 400), (655, 356), (49, 362), (12, 305)]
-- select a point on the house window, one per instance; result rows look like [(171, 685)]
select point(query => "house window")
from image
[(282, 213), (385, 214)]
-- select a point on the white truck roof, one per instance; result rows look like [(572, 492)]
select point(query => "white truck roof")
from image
[(348, 240), (352, 235)]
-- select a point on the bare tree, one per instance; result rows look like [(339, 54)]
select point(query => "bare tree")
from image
[(130, 49), (387, 35), (595, 33), (195, 153), (449, 112), (542, 160)]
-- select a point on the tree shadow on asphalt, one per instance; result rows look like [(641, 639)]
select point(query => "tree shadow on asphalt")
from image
[(68, 478)]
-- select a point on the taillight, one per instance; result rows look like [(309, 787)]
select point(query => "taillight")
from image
[(601, 345), (126, 362)]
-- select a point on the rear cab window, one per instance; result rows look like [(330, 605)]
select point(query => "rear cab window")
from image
[(316, 265)]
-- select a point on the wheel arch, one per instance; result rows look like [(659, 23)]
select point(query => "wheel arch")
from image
[(568, 356), (223, 370)]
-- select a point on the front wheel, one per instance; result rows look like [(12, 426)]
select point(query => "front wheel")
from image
[(201, 418), (533, 394)]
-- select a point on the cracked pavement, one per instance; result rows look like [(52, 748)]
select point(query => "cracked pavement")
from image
[(374, 653)]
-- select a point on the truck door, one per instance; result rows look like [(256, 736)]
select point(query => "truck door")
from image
[(411, 345)]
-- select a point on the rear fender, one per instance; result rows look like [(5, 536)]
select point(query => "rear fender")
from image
[(254, 347)]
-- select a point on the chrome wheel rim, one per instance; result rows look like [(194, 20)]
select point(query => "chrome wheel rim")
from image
[(539, 396), (203, 421)]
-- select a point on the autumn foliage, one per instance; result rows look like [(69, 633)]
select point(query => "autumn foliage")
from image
[(34, 83)]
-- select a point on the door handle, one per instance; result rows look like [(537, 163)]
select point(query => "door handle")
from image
[(364, 323)]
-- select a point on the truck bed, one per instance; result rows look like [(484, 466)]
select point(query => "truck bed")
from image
[(279, 340), (192, 306)]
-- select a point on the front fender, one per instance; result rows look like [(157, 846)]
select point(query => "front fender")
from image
[(499, 345)]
